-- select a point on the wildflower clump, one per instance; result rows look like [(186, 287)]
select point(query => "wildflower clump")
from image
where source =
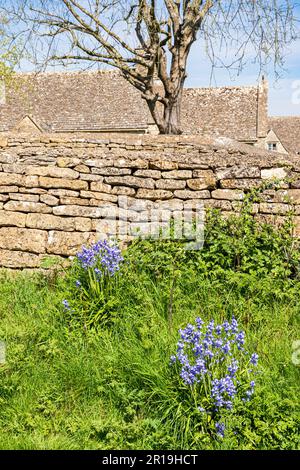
[(214, 365), (93, 281)]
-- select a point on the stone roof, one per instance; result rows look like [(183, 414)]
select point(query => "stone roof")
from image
[(76, 101), (104, 101), (227, 111), (287, 129)]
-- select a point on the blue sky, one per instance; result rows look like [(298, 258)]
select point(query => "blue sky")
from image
[(284, 94)]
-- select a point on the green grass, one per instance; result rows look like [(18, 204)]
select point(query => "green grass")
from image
[(67, 388)]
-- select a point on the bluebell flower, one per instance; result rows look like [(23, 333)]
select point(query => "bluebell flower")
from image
[(254, 359), (226, 326), (172, 359), (219, 329), (66, 305), (234, 325), (220, 428), (78, 283), (206, 355), (232, 368), (101, 255)]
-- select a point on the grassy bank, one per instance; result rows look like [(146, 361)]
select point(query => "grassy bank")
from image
[(110, 386)]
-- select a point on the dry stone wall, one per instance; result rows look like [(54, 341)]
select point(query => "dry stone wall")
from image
[(56, 194)]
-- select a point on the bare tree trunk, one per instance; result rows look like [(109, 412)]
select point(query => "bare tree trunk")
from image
[(167, 115), (172, 118)]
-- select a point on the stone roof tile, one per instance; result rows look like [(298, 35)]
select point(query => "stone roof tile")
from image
[(103, 100)]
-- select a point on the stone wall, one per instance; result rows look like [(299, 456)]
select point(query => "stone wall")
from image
[(56, 192)]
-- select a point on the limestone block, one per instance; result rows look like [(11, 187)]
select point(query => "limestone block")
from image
[(137, 163), (26, 206), (31, 181), (82, 168), (66, 243), (271, 173), (90, 177), (18, 259), (102, 197), (99, 196), (9, 189), (24, 197), (106, 227), (52, 171), (11, 179), (100, 187), (63, 193), (177, 174), (186, 194), (155, 174), (293, 195), (131, 181), (32, 190), (112, 171), (14, 168), (274, 208), (123, 191), (134, 204), (64, 183), (83, 224), (67, 162), (99, 163), (23, 239), (49, 199), (163, 165), (78, 211), (170, 184), (50, 222), (73, 200), (3, 141), (7, 158), (242, 183), (228, 194), (15, 219), (197, 184), (153, 194), (238, 172)]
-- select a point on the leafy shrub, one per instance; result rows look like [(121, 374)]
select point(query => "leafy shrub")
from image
[(240, 243)]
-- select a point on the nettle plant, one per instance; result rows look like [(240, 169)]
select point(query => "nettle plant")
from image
[(93, 281), (216, 369)]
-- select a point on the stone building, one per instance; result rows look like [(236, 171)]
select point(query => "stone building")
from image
[(104, 102), (287, 131)]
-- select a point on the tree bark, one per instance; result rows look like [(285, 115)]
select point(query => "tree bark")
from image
[(167, 115), (172, 118)]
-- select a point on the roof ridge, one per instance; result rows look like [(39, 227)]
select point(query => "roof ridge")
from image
[(72, 72), (291, 116), (225, 87)]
